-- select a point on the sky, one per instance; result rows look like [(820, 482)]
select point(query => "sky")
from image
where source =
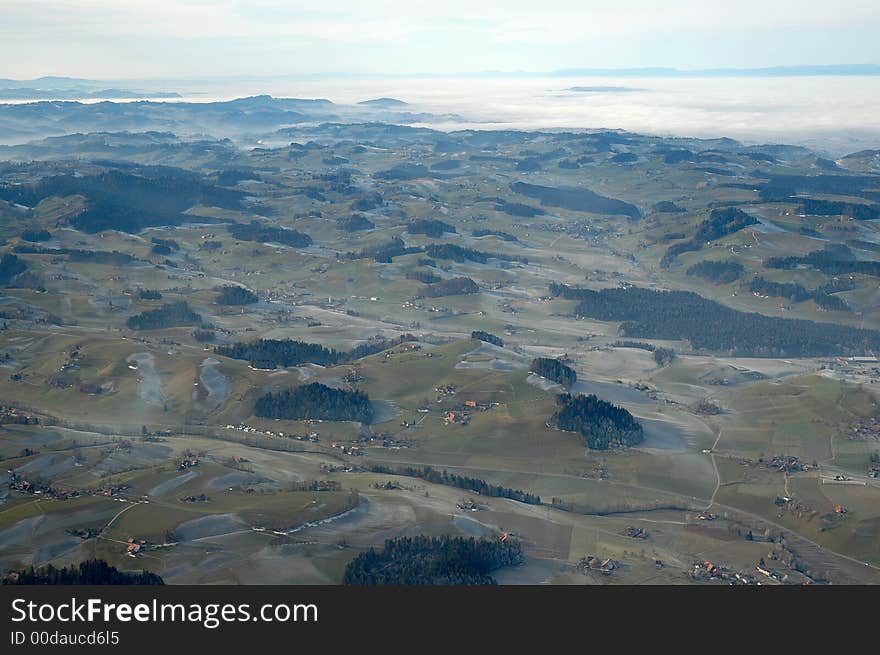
[(167, 39)]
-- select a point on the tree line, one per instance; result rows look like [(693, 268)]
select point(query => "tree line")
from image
[(454, 286), (857, 211), (429, 227), (602, 424), (36, 235), (169, 315), (384, 253), (555, 370), (709, 325), (256, 231), (425, 277), (797, 293), (354, 223), (90, 572), (476, 485), (783, 187), (834, 259), (316, 401), (423, 560), (272, 353), (505, 236), (127, 202), (149, 294), (722, 272), (164, 246), (104, 257), (460, 254), (487, 337), (10, 267), (721, 222), (577, 199), (231, 294)]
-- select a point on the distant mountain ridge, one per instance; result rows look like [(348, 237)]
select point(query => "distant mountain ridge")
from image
[(55, 82), (29, 93), (770, 71), (71, 88), (384, 102)]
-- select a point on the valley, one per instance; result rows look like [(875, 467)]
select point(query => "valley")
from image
[(404, 281)]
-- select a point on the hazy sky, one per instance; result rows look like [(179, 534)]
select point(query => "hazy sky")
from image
[(180, 38)]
